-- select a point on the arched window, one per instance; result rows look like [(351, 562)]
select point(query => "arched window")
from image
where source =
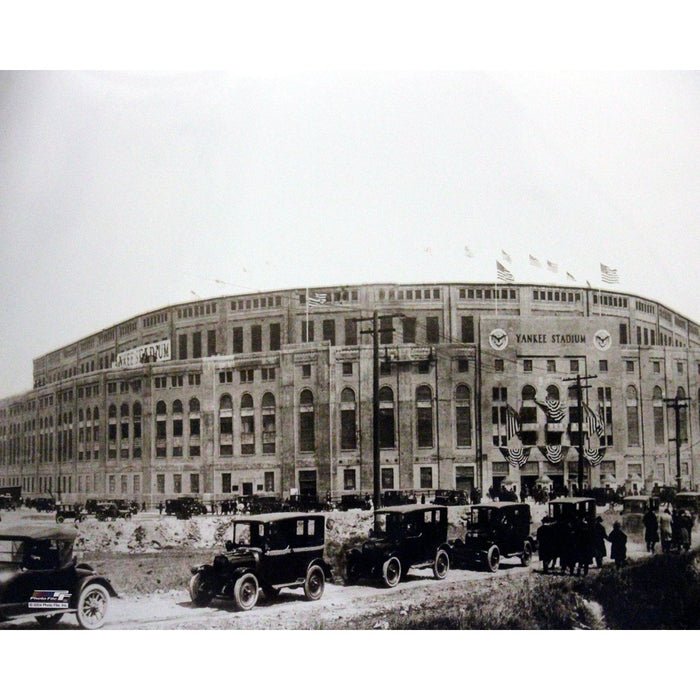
[(177, 406), (226, 426), (111, 432), (632, 417), (80, 415), (136, 429), (529, 393), (682, 417), (177, 428), (194, 425), (463, 416), (307, 435), (269, 433), (528, 414), (161, 429), (348, 423), (424, 416), (387, 427), (553, 392), (658, 410), (247, 425)]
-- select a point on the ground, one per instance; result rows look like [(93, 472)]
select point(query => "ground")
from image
[(148, 559)]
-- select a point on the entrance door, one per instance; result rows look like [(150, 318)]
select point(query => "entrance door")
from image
[(307, 483), (247, 488), (464, 478)]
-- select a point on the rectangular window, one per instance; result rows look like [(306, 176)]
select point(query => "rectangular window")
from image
[(551, 366), (432, 329), (347, 369), (256, 338), (177, 483), (194, 483), (623, 334), (527, 365), (464, 426), (237, 340), (274, 336), (160, 483), (629, 365), (350, 332), (573, 365), (307, 438), (386, 331), (225, 483), (307, 332), (467, 329), (197, 344), (211, 343), (679, 367), (349, 483), (409, 329), (462, 366), (426, 477), (329, 330), (269, 481), (247, 376), (112, 483), (602, 365), (656, 366), (182, 345), (387, 478), (306, 371), (498, 365)]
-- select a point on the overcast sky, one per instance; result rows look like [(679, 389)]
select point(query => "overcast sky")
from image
[(124, 192)]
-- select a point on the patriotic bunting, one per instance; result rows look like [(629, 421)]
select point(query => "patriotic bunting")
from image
[(516, 457), (594, 456), (554, 454), (553, 410)]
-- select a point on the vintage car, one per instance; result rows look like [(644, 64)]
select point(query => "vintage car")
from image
[(40, 577), (573, 508), (639, 504), (687, 500), (349, 501), (444, 497), (305, 503), (403, 536), (495, 530), (109, 510), (69, 512), (268, 552), (184, 507), (44, 505), (398, 498)]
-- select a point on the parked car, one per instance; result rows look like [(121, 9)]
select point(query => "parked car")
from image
[(687, 500), (40, 577), (69, 512), (398, 498), (495, 530), (305, 503), (108, 510), (268, 552), (405, 536), (572, 508), (640, 504), (350, 501), (45, 505), (184, 507), (444, 497), (6, 502)]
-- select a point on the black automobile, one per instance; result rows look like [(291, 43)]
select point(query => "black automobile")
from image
[(404, 536), (445, 497), (109, 510), (40, 577), (687, 500), (45, 505), (269, 552), (495, 530), (184, 507), (398, 498), (572, 509), (353, 501), (305, 503), (69, 512)]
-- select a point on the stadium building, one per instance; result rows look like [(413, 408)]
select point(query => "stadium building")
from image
[(271, 392)]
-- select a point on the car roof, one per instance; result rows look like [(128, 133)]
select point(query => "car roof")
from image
[(39, 532), (273, 517), (637, 498), (572, 499), (498, 504), (410, 508), (689, 493)]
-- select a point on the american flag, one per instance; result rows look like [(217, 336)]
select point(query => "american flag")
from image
[(535, 262), (512, 422), (505, 256), (503, 274), (594, 420), (318, 300), (609, 275), (468, 251), (552, 267), (569, 276)]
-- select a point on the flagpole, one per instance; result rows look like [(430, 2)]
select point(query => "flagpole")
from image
[(307, 315)]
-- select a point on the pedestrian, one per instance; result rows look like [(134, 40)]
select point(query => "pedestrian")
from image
[(160, 508), (545, 543), (687, 520), (583, 544), (666, 529), (618, 545), (566, 546), (599, 537), (651, 530)]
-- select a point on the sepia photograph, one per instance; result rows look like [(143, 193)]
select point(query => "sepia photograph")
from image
[(349, 348)]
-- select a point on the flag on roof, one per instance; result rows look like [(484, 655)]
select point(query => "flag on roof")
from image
[(505, 256), (535, 262), (569, 276), (552, 267), (609, 275), (317, 299), (468, 251), (503, 274)]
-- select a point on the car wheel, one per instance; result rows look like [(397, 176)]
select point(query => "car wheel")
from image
[(46, 621), (441, 565), (315, 583), (59, 519), (246, 591), (493, 558), (201, 589), (93, 603), (391, 572), (526, 556)]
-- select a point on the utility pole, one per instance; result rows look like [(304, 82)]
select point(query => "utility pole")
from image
[(579, 394), (377, 490), (677, 404)]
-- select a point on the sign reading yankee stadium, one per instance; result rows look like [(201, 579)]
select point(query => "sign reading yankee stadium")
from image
[(500, 337), (153, 352)]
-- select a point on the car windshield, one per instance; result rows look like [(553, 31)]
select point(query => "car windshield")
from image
[(388, 525), (483, 516), (11, 551), (248, 534)]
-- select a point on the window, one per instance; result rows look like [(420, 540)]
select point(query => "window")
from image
[(679, 367), (573, 365), (467, 329), (632, 417), (307, 436), (463, 418), (462, 366), (426, 477), (237, 340), (177, 483), (194, 379), (605, 414), (225, 483), (424, 416), (176, 380), (347, 369), (682, 417), (269, 478), (307, 332), (350, 332), (499, 398), (349, 480), (656, 366), (226, 377), (602, 365), (387, 438), (328, 329), (306, 371), (247, 376), (268, 425), (348, 425), (275, 335), (387, 475), (211, 343), (527, 365), (657, 402), (432, 329), (623, 334), (268, 374), (551, 366), (160, 483), (247, 425), (256, 338), (194, 419), (226, 426), (194, 483), (182, 345), (409, 329), (629, 365), (197, 344), (498, 365)]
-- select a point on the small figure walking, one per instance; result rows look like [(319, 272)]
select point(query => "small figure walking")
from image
[(666, 528), (599, 537), (618, 545), (651, 530), (160, 508)]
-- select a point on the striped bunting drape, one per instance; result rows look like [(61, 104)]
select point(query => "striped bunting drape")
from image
[(554, 454), (594, 456), (516, 457), (553, 410)]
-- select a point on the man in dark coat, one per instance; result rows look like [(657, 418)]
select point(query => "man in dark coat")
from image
[(618, 545), (583, 544), (599, 536), (546, 544), (651, 529)]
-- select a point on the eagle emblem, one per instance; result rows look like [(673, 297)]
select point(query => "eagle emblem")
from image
[(498, 339), (602, 340)]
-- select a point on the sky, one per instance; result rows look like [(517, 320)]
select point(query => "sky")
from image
[(122, 192)]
